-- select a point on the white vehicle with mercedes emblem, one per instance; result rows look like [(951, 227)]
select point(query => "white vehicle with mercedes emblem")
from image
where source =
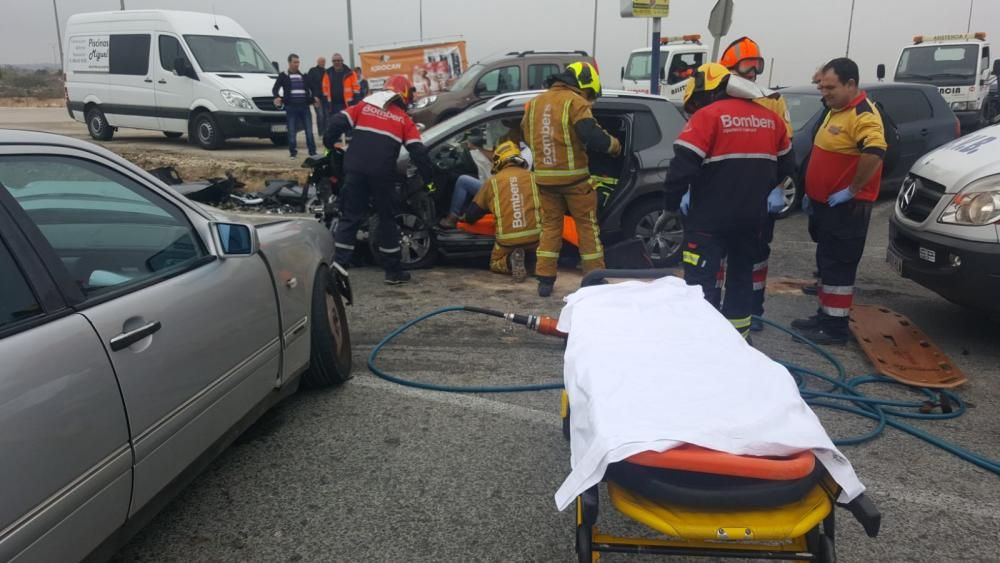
[(945, 230)]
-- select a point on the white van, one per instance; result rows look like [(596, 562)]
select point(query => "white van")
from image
[(945, 231), (176, 72), (679, 56)]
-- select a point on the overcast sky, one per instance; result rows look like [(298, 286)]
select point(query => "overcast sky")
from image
[(799, 34)]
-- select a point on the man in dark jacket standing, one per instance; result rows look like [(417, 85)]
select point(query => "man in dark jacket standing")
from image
[(315, 78), (291, 90)]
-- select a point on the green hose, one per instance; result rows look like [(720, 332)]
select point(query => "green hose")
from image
[(843, 394)]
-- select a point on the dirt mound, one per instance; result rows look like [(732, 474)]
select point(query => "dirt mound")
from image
[(195, 167), (30, 102)]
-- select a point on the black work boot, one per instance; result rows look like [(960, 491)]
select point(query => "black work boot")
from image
[(545, 285), (808, 323), (828, 330), (397, 277)]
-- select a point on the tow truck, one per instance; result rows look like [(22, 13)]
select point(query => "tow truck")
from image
[(959, 66), (679, 57)]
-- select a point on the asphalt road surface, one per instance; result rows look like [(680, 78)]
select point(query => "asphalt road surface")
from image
[(373, 471)]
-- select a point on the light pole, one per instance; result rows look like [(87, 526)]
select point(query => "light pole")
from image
[(55, 10), (593, 52), (350, 34), (123, 5), (421, 21), (850, 25), (968, 28)]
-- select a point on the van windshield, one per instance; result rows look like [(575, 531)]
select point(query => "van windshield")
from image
[(934, 63), (228, 54), (471, 74)]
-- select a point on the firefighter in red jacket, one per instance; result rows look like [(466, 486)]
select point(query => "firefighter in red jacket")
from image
[(379, 126), (727, 161)]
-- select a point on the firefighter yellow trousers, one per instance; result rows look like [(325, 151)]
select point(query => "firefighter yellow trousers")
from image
[(581, 201)]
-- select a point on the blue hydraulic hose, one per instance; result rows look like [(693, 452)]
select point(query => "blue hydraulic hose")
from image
[(843, 394)]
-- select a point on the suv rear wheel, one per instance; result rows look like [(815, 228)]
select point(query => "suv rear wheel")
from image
[(663, 243)]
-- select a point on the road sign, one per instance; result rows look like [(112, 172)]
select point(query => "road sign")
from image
[(645, 8), (719, 23)]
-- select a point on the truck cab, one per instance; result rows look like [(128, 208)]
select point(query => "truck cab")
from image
[(679, 57), (959, 66)]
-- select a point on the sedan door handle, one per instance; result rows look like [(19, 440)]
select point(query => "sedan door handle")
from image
[(126, 339), (924, 132)]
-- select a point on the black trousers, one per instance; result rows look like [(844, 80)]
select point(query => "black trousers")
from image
[(760, 265), (358, 191), (840, 233), (703, 253)]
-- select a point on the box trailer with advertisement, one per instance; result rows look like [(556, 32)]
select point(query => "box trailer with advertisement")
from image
[(679, 57), (959, 66), (176, 72), (432, 67)]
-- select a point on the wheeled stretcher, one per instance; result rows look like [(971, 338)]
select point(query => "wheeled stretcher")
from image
[(708, 503)]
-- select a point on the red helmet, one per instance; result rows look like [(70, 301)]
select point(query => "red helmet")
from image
[(402, 86)]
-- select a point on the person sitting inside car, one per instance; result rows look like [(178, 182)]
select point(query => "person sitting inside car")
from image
[(511, 195), (467, 186)]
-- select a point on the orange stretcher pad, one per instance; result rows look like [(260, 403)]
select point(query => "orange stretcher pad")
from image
[(688, 457), (900, 350), (487, 226)]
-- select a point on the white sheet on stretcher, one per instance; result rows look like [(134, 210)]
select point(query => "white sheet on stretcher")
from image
[(650, 366)]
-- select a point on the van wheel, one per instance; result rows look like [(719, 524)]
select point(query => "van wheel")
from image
[(205, 131), (97, 125), (330, 352), (172, 134)]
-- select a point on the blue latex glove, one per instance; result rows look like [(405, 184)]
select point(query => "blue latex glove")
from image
[(807, 205), (686, 203), (776, 200), (843, 196)]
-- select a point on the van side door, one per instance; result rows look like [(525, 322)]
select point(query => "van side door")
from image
[(131, 96), (174, 91)]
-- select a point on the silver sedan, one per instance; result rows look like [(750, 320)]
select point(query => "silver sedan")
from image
[(140, 333)]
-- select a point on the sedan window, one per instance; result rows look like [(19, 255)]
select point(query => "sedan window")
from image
[(904, 105), (17, 302), (108, 230)]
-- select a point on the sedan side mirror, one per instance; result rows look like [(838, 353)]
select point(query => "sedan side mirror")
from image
[(480, 89), (880, 71), (235, 239)]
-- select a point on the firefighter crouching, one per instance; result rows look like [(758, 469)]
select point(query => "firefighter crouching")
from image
[(379, 125), (512, 196), (560, 129), (727, 161)]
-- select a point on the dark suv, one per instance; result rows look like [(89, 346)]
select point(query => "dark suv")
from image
[(922, 117), (646, 125), (513, 72)]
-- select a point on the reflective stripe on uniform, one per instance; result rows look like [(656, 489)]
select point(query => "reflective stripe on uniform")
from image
[(546, 254), (742, 325), (837, 289), (344, 246), (497, 210), (561, 173), (538, 204), (761, 156), (594, 256), (519, 234), (597, 234), (836, 300), (531, 126), (570, 160), (835, 311)]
